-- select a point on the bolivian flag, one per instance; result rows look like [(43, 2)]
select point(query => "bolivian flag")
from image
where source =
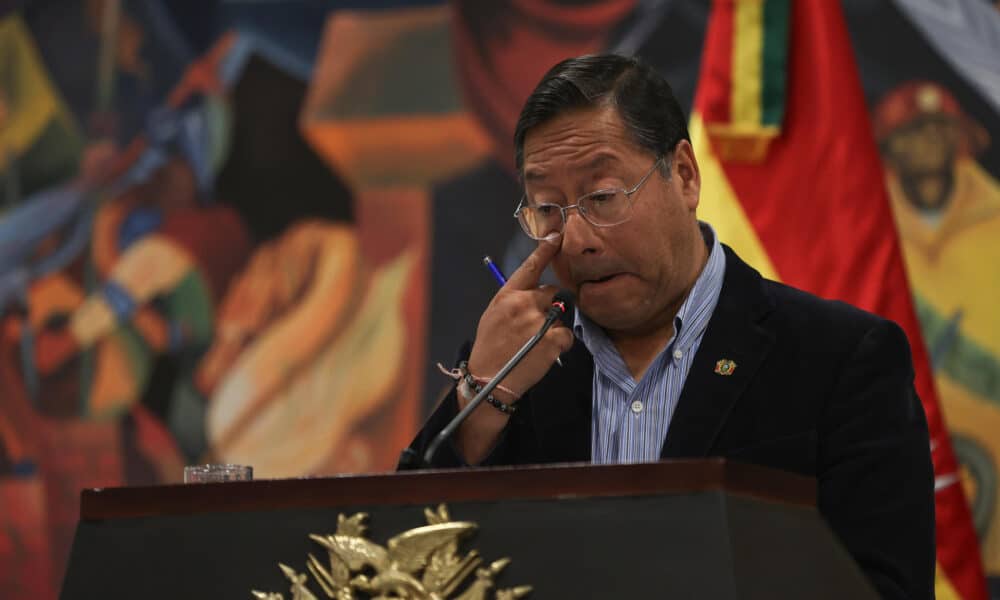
[(793, 181)]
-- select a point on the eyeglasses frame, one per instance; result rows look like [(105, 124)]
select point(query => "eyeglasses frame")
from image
[(663, 159)]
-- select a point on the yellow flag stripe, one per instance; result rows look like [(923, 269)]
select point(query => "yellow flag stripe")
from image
[(943, 589), (720, 206), (748, 52)]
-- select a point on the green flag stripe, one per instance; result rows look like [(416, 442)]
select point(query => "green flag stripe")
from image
[(775, 61)]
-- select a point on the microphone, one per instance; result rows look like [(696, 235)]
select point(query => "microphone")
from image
[(560, 310)]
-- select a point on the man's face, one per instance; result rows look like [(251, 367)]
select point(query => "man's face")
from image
[(924, 147), (631, 277), (923, 153)]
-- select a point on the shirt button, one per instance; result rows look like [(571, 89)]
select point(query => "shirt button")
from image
[(637, 406), (678, 354)]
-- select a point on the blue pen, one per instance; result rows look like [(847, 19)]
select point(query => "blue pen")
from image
[(498, 275)]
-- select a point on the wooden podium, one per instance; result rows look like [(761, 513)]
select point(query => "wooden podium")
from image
[(679, 529)]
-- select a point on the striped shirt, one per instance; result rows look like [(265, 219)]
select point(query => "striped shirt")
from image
[(630, 419)]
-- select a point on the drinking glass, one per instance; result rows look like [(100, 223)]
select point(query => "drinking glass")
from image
[(217, 473)]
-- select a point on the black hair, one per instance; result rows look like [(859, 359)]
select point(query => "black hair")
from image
[(642, 97)]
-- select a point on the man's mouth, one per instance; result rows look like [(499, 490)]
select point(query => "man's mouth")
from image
[(602, 279)]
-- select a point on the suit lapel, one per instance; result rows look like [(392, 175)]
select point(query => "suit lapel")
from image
[(733, 334), (561, 406)]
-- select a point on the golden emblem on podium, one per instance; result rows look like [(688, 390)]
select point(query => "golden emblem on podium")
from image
[(419, 564)]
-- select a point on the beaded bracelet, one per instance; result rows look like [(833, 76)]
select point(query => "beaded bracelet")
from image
[(462, 375), (471, 382)]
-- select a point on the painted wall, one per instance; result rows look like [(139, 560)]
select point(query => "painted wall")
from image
[(246, 231)]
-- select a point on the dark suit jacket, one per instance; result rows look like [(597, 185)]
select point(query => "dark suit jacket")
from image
[(820, 388)]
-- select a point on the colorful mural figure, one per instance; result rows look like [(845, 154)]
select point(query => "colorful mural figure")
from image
[(947, 209)]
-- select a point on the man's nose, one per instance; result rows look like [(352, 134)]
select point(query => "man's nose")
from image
[(579, 236)]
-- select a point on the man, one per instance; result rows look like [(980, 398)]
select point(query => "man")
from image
[(679, 349)]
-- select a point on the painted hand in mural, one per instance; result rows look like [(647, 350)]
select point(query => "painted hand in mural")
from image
[(161, 260), (309, 342)]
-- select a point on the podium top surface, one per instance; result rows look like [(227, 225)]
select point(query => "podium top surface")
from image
[(476, 484)]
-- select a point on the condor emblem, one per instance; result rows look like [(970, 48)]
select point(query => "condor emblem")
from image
[(725, 367)]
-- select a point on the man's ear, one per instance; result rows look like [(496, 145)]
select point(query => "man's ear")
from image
[(685, 166)]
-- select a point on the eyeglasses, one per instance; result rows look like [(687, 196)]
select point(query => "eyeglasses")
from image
[(602, 208)]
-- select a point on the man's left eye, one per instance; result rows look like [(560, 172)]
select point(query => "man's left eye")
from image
[(602, 197)]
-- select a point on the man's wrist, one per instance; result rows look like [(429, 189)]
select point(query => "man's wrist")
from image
[(501, 400)]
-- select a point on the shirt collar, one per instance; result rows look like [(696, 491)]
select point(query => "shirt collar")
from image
[(700, 302)]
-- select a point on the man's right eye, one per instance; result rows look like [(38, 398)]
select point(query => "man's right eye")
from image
[(546, 210)]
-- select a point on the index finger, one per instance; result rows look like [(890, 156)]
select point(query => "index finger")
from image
[(528, 275)]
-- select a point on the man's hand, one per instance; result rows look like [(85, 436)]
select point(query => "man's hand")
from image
[(515, 314)]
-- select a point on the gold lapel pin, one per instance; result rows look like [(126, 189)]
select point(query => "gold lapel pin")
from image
[(725, 366)]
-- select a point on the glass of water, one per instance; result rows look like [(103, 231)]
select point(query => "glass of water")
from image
[(217, 473)]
